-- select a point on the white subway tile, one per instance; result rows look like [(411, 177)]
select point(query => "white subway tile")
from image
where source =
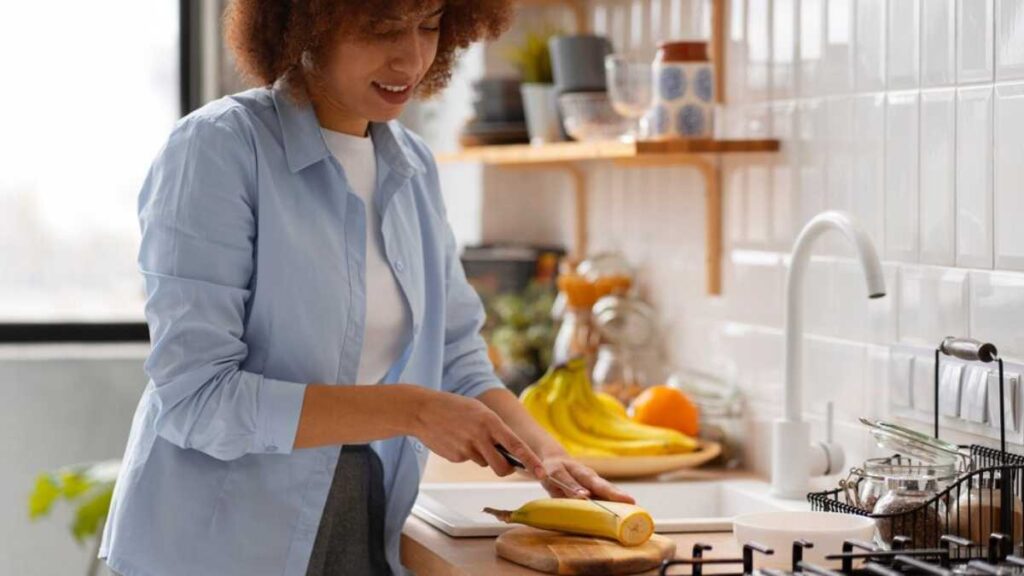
[(869, 72), (734, 193), (858, 317), (904, 44), (974, 40), (869, 165), (1009, 177), (938, 177), (813, 142), (838, 65), (821, 316), (758, 49), (974, 177), (839, 168), (759, 208), (784, 28), (1010, 39), (834, 372), (997, 311), (812, 47), (933, 304), (753, 287), (938, 42), (901, 176)]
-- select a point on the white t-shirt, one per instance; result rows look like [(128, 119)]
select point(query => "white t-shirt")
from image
[(387, 316)]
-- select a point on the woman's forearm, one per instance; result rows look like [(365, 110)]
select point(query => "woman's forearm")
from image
[(356, 414), (511, 411)]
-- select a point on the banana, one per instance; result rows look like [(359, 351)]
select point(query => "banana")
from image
[(535, 400), (561, 414), (593, 417), (633, 525)]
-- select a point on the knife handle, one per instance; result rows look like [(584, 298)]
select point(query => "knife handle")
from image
[(509, 457)]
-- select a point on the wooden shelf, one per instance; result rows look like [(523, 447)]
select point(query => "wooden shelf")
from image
[(647, 152)]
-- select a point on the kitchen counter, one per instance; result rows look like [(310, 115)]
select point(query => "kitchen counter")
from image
[(429, 552)]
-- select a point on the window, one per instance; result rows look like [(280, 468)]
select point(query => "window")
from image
[(91, 92)]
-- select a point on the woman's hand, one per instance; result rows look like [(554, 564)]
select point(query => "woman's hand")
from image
[(457, 428), (581, 478)]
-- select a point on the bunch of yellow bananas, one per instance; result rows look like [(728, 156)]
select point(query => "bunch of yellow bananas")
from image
[(563, 402)]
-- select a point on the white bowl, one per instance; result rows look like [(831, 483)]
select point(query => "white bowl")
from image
[(778, 530)]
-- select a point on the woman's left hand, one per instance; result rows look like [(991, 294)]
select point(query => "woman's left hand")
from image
[(582, 479)]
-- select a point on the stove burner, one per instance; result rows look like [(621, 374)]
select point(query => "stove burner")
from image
[(953, 557)]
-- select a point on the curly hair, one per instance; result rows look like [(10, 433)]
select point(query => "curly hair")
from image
[(270, 37)]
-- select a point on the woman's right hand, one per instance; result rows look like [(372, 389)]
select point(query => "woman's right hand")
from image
[(458, 429)]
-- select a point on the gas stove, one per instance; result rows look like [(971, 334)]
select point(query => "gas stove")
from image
[(953, 556)]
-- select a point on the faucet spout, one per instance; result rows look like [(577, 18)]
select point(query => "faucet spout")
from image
[(789, 458)]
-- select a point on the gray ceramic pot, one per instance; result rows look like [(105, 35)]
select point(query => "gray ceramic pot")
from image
[(577, 62)]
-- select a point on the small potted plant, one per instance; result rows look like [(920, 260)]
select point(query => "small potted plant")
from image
[(89, 489), (533, 60)]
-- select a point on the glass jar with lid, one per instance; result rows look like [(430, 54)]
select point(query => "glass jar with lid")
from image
[(870, 478), (910, 508), (628, 359)]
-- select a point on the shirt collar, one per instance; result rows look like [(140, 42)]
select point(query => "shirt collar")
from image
[(304, 143)]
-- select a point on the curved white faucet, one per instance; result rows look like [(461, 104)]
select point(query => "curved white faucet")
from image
[(791, 434)]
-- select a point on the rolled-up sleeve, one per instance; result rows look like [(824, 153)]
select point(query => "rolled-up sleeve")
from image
[(197, 211)]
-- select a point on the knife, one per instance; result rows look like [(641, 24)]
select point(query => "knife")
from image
[(565, 487)]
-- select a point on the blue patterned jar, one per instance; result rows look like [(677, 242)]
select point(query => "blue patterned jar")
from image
[(684, 92)]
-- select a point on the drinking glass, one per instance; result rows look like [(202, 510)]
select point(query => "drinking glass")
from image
[(630, 82)]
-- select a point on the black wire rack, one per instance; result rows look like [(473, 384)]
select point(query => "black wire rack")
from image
[(983, 505)]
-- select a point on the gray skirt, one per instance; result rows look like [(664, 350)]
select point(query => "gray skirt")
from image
[(350, 540)]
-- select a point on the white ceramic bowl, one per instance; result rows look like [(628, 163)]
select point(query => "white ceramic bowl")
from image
[(778, 530)]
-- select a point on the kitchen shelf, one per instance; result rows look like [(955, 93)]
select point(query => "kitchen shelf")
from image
[(666, 152), (702, 155)]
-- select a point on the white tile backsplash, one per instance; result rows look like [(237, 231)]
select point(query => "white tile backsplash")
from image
[(938, 177), (901, 176), (938, 45), (904, 44), (997, 311), (974, 41), (1009, 177), (1009, 39), (974, 177), (907, 113), (933, 304), (869, 71)]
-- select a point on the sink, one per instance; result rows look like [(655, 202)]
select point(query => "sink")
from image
[(455, 508)]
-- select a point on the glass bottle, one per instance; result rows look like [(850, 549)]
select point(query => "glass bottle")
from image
[(907, 509)]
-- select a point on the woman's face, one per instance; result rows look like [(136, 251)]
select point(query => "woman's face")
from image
[(371, 74)]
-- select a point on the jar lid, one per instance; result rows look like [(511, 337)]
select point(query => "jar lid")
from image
[(683, 51), (906, 441)]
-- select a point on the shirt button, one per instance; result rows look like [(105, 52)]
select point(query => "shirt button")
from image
[(399, 265), (271, 448), (418, 446)]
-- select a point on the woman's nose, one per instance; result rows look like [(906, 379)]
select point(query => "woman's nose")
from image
[(407, 55)]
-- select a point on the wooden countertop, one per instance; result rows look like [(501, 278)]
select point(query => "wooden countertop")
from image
[(429, 552)]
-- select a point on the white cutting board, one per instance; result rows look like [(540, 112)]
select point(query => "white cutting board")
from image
[(456, 508)]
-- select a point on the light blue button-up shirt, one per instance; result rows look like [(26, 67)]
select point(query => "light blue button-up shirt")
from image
[(253, 253)]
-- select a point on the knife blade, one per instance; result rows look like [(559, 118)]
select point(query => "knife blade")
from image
[(565, 487)]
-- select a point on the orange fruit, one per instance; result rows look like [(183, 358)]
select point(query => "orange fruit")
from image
[(666, 407)]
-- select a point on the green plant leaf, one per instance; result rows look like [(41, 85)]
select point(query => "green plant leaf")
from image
[(46, 492), (73, 484), (91, 514)]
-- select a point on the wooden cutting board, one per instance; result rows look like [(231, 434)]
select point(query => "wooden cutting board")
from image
[(558, 553)]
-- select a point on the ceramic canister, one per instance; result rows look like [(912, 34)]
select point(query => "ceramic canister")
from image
[(684, 92)]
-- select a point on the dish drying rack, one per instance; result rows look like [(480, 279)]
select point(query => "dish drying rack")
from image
[(941, 519)]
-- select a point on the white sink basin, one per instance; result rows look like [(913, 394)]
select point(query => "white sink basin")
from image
[(455, 508)]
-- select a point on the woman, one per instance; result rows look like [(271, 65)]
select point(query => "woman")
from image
[(294, 239)]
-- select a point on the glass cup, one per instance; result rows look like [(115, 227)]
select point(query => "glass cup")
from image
[(630, 82)]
